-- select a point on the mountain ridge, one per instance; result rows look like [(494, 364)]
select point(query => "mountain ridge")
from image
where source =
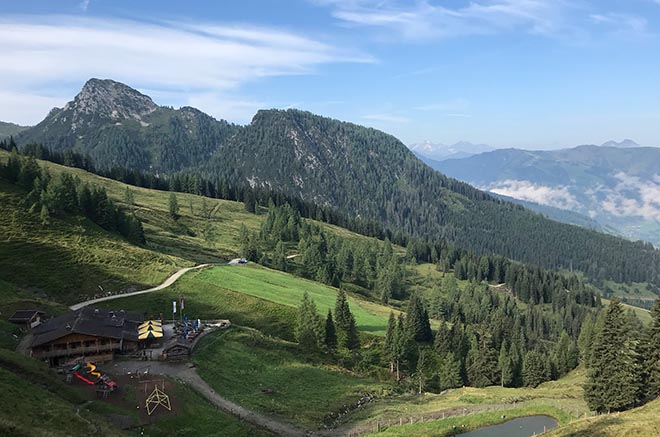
[(616, 186), (359, 171)]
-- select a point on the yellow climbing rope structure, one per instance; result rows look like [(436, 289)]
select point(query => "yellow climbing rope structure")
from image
[(156, 398)]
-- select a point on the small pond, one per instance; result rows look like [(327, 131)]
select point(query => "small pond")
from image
[(520, 427)]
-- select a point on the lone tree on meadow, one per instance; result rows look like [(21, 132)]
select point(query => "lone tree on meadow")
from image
[(173, 206)]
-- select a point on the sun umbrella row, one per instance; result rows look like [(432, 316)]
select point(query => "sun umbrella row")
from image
[(150, 329)]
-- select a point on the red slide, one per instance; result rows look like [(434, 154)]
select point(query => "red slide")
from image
[(82, 378)]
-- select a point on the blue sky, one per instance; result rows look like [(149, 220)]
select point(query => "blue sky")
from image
[(510, 73)]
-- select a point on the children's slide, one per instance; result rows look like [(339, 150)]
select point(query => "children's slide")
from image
[(91, 367)]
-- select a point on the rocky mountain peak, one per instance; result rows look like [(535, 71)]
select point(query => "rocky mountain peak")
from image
[(109, 99)]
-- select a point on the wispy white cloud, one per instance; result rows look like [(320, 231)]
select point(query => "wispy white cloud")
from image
[(622, 24), (84, 5), (633, 196), (422, 20), (559, 197), (183, 59)]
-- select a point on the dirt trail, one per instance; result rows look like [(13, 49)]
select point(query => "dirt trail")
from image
[(186, 373), (169, 281)]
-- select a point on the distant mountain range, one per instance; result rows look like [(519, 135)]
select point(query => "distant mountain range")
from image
[(440, 152), (9, 129), (617, 184), (359, 172)]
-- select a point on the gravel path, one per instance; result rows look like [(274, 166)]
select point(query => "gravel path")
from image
[(169, 281), (187, 373)]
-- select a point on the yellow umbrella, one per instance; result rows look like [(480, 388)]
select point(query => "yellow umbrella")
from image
[(150, 323), (150, 329), (150, 334)]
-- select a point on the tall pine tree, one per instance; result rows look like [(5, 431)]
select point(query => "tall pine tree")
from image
[(614, 377)]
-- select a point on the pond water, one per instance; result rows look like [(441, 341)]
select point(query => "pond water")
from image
[(520, 427)]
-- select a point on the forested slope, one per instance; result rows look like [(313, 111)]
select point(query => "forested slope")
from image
[(356, 171)]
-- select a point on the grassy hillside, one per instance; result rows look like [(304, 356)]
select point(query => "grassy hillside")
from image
[(37, 402), (642, 421), (71, 258), (252, 296), (285, 289), (240, 363)]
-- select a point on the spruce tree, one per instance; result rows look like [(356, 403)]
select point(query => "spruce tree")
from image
[(417, 320), (450, 372), (389, 350), (342, 314), (442, 342), (421, 370), (347, 332), (309, 329), (613, 380), (482, 370), (330, 333), (404, 348), (44, 215), (561, 354), (279, 257), (173, 206), (535, 369), (352, 339), (129, 198), (505, 366), (653, 360)]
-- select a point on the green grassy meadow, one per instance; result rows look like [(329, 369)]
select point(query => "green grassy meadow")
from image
[(641, 421), (286, 289), (240, 363), (253, 296)]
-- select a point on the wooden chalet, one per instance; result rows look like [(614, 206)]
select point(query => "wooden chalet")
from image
[(95, 334), (27, 318)]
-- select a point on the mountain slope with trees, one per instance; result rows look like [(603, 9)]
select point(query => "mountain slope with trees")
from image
[(357, 171), (10, 129)]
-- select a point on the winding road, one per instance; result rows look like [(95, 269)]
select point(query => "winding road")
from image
[(169, 281)]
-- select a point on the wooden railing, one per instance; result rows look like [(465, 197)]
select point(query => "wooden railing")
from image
[(76, 350)]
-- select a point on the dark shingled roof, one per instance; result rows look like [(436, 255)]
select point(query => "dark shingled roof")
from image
[(90, 321), (24, 315), (177, 341)]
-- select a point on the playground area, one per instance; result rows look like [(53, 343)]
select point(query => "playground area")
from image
[(143, 395), (136, 389)]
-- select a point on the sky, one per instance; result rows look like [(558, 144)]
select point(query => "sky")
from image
[(537, 74)]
